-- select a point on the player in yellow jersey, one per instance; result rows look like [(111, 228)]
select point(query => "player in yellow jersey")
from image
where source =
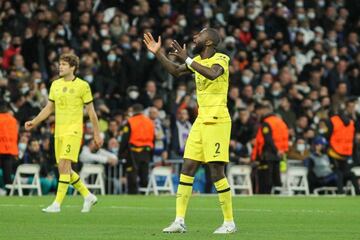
[(209, 138), (67, 98)]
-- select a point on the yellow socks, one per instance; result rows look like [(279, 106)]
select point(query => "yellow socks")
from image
[(223, 189), (183, 194), (78, 184), (63, 185)]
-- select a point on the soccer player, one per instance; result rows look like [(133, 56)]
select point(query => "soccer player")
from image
[(209, 137), (67, 97)]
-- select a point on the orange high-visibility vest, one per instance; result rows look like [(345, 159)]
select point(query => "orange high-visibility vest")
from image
[(8, 134), (279, 134), (142, 131), (342, 137)]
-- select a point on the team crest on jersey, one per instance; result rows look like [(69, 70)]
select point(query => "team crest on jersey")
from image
[(64, 89)]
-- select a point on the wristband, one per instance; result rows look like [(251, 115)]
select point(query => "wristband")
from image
[(189, 61)]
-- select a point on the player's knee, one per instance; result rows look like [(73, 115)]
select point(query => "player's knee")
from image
[(189, 168)]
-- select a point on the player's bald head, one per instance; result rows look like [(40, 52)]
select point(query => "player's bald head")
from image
[(213, 35)]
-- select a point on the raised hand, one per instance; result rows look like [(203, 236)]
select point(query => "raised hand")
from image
[(29, 125), (178, 51), (151, 44)]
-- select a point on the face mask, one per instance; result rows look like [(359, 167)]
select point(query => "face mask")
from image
[(321, 3), (61, 32), (181, 93), (301, 17), (150, 55), (182, 23), (299, 4), (133, 95), (322, 131), (104, 32), (22, 146), (260, 28), (273, 71), (266, 84), (126, 46), (37, 80), (311, 15), (114, 150), (44, 91), (275, 93), (246, 79), (24, 89), (105, 47), (259, 96), (300, 147), (89, 78), (111, 57)]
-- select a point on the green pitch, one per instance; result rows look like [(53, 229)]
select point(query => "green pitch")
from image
[(139, 217)]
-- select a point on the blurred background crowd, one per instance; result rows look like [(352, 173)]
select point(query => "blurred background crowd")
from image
[(301, 56)]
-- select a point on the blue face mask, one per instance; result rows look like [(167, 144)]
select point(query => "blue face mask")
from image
[(150, 55), (111, 57)]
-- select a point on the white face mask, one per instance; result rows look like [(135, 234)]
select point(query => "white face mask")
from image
[(22, 146), (300, 147), (104, 32), (44, 91), (311, 15), (105, 47), (61, 32), (246, 79), (183, 22), (181, 93), (133, 95), (299, 4), (89, 78)]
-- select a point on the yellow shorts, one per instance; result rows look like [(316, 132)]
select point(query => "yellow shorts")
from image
[(67, 147), (208, 142)]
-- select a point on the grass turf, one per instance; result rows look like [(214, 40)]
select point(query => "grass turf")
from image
[(139, 217)]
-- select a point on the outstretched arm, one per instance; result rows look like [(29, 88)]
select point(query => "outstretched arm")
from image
[(44, 114), (154, 47)]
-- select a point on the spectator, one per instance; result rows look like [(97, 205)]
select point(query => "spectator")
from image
[(90, 154), (179, 133), (321, 171)]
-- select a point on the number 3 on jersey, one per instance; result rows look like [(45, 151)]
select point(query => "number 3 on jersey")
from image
[(68, 148)]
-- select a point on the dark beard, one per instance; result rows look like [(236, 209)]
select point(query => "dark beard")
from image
[(198, 49)]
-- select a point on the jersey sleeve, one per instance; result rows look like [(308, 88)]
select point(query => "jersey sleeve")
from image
[(51, 93), (222, 60), (86, 94)]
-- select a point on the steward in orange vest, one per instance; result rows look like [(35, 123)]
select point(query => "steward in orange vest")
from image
[(136, 146), (8, 141), (271, 143), (341, 136)]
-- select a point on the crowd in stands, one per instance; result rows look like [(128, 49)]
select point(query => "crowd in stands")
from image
[(301, 56)]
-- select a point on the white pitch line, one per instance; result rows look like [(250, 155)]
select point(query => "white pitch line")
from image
[(191, 209)]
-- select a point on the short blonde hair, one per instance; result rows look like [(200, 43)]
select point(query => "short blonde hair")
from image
[(71, 59)]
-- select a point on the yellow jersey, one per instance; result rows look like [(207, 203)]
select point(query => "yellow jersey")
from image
[(212, 94), (69, 98)]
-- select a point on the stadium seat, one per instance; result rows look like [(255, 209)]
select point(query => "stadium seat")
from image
[(297, 180), (160, 172), (239, 179), (93, 177), (26, 173), (325, 190)]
